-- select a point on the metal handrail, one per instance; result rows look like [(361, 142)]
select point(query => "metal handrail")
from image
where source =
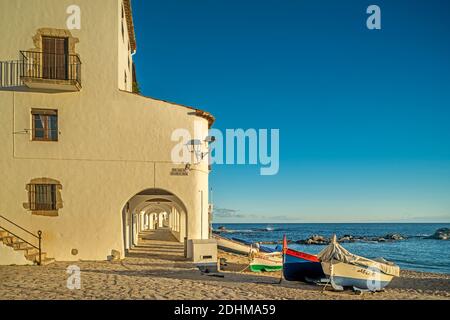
[(56, 66), (10, 73), (29, 232), (40, 65), (15, 235), (38, 236), (31, 54)]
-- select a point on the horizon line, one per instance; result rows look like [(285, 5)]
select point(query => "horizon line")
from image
[(318, 222)]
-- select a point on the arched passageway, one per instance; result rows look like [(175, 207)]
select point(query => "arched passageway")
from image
[(154, 214)]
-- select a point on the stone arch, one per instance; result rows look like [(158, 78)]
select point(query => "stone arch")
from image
[(148, 201)]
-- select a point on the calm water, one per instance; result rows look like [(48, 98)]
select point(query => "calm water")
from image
[(414, 253)]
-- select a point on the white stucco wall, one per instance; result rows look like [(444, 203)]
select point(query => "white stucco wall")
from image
[(112, 144)]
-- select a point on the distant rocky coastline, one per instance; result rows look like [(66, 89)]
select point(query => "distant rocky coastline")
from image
[(440, 234), (321, 240)]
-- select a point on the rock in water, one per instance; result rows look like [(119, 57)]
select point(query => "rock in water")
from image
[(441, 234), (394, 236), (346, 238), (316, 239)]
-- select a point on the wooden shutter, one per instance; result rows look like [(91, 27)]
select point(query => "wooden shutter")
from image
[(61, 58), (48, 62), (55, 58)]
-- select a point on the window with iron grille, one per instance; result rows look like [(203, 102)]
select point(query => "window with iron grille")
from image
[(42, 197), (45, 125)]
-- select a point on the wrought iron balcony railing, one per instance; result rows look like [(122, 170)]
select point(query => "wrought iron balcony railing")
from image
[(10, 74), (41, 66)]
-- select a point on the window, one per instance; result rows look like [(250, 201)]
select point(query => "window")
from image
[(55, 58), (45, 125), (44, 197)]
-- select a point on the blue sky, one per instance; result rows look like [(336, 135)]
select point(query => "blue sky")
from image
[(363, 114)]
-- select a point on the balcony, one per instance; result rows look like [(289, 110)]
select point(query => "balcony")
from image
[(42, 72)]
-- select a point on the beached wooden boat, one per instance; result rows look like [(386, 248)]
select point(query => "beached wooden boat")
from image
[(361, 278), (300, 266), (233, 246), (345, 269), (261, 261)]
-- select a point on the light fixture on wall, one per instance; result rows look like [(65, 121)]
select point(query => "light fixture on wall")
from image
[(195, 146)]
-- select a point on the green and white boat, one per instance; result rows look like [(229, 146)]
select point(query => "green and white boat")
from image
[(266, 261)]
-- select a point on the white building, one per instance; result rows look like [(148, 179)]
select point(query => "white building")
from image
[(83, 158)]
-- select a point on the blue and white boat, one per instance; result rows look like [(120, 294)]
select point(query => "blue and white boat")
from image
[(300, 266), (345, 269)]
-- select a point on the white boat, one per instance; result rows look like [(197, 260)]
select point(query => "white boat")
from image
[(345, 269), (233, 246), (266, 261)]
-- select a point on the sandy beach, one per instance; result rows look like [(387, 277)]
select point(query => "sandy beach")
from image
[(157, 270)]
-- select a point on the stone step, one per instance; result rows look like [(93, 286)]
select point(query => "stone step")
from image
[(28, 250), (35, 256), (21, 245), (9, 240), (30, 253)]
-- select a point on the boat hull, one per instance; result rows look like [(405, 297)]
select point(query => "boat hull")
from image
[(300, 266), (348, 275), (266, 262), (233, 246), (265, 268)]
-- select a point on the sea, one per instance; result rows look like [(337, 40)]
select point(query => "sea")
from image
[(413, 253)]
